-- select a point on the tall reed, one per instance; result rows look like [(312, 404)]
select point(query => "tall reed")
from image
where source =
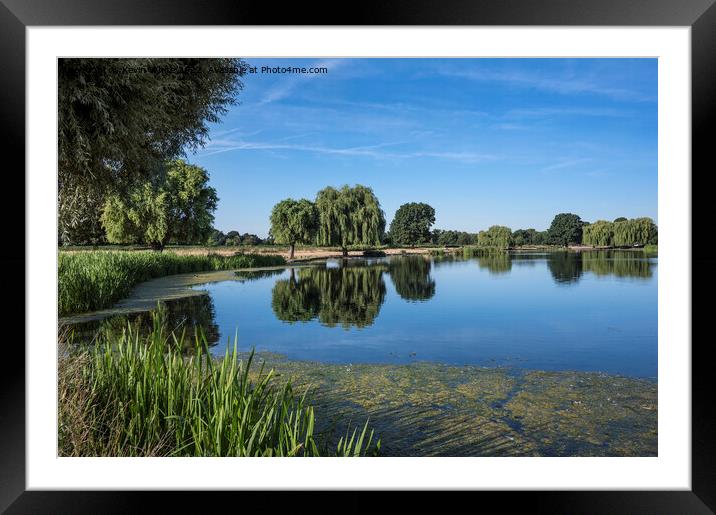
[(133, 395), (96, 279)]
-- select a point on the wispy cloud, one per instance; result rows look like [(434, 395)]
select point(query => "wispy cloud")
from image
[(551, 84), (372, 151), (568, 163), (285, 87), (537, 112)]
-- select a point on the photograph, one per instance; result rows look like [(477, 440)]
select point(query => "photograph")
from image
[(358, 257)]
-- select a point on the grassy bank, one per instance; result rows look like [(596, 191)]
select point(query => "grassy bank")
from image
[(133, 395), (95, 280)]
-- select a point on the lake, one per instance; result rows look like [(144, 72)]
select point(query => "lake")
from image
[(507, 354), (589, 311)]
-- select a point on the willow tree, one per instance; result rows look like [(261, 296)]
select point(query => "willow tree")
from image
[(497, 236), (177, 207), (294, 221), (119, 118), (598, 234), (349, 216), (637, 231)]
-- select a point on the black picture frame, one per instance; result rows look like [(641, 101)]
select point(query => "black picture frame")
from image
[(16, 15)]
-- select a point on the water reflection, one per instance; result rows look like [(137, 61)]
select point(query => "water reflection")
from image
[(181, 316), (411, 278), (350, 295), (565, 267)]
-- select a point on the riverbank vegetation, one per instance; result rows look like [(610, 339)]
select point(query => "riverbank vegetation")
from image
[(140, 395), (95, 280)]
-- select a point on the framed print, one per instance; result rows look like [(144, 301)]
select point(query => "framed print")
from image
[(431, 249)]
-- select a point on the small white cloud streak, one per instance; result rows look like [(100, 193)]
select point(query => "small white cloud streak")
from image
[(285, 87), (373, 151), (549, 84)]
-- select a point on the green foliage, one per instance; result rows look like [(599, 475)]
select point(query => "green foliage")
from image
[(129, 395), (176, 208), (411, 224), (95, 280), (497, 236), (637, 231), (620, 219), (294, 221), (566, 229), (625, 233), (349, 216), (524, 237), (118, 119), (598, 234), (216, 238), (441, 237)]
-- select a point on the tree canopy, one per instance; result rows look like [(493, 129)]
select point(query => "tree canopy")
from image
[(624, 233), (120, 119), (496, 236), (294, 221), (411, 224), (176, 207), (349, 216), (566, 229)]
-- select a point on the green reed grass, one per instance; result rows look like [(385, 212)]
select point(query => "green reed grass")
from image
[(133, 395), (97, 279)]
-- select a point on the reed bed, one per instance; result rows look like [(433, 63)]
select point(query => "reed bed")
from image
[(95, 280), (140, 395)]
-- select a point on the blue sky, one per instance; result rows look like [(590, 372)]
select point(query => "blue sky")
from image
[(484, 141)]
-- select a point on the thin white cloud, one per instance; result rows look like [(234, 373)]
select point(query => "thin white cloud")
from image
[(285, 87), (372, 151), (561, 85)]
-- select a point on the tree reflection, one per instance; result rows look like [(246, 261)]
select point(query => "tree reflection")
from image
[(495, 262), (618, 263), (411, 278), (566, 267), (183, 317), (349, 295)]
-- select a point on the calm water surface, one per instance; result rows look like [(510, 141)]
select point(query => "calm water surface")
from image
[(594, 311)]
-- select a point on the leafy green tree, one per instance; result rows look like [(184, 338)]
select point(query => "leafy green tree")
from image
[(120, 119), (294, 221), (441, 237), (349, 216), (620, 219), (598, 234), (216, 238), (540, 238), (176, 208), (233, 238), (524, 237), (566, 229), (411, 224), (637, 231), (497, 236), (411, 278), (250, 239)]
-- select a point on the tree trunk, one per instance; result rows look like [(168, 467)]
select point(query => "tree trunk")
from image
[(345, 252), (290, 254), (157, 246)]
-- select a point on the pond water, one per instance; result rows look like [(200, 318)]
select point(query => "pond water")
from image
[(560, 311)]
